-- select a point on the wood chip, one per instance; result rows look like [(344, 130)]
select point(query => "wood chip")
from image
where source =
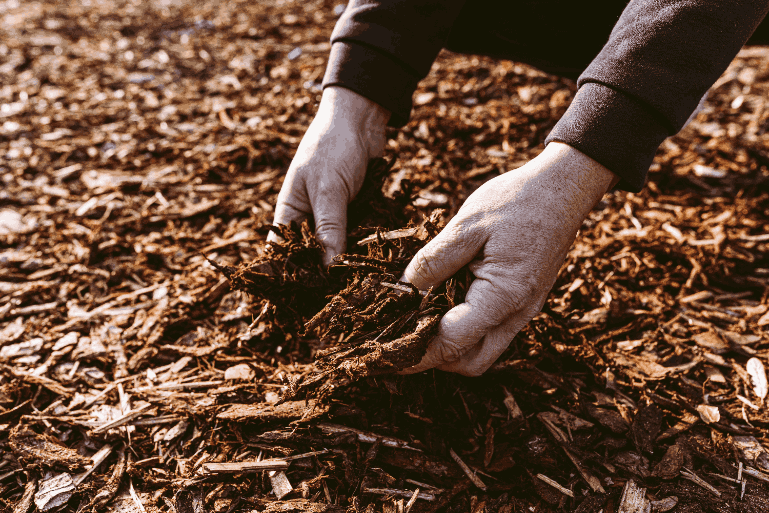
[(555, 485), (241, 467), (406, 494), (280, 484), (709, 414), (633, 499), (757, 375), (471, 475), (691, 476), (54, 492)]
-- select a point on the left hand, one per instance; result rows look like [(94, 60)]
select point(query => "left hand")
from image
[(515, 232)]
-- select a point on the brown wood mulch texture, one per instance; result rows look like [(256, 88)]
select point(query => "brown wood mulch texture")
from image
[(156, 355)]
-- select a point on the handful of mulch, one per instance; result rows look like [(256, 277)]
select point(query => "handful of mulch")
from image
[(377, 324), (373, 324)]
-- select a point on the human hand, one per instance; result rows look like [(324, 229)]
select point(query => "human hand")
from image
[(330, 165), (515, 232)]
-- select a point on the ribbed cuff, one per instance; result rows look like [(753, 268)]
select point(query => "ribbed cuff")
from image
[(614, 129), (373, 75)]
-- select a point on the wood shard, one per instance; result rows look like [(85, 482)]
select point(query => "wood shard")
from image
[(757, 374), (512, 407), (470, 473), (633, 499), (709, 414), (406, 494), (243, 466), (125, 419), (280, 484), (265, 411), (54, 492), (691, 476), (555, 485), (27, 498), (366, 437), (665, 504)]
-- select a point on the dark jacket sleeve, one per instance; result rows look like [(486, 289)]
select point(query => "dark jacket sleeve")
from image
[(381, 49), (661, 58)]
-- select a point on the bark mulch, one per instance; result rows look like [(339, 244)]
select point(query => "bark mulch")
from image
[(157, 355)]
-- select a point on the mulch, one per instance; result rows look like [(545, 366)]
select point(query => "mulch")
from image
[(157, 355)]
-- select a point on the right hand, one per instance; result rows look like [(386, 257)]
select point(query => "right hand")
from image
[(330, 165)]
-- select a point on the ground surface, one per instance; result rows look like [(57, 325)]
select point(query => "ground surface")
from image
[(139, 138)]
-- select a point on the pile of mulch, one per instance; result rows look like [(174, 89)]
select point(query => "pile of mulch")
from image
[(157, 355)]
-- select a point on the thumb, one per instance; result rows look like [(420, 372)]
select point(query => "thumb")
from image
[(443, 256), (486, 306), (331, 227)]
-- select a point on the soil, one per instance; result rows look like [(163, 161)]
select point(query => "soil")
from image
[(158, 355)]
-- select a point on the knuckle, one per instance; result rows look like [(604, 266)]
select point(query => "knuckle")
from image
[(521, 293), (424, 268), (447, 352), (328, 225)]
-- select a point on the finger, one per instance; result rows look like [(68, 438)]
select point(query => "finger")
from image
[(284, 214), (331, 226), (443, 256), (483, 355), (486, 306)]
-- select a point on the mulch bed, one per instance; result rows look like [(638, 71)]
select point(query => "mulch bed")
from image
[(157, 355)]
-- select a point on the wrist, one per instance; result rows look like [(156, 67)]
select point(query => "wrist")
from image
[(346, 110), (349, 106), (578, 180)]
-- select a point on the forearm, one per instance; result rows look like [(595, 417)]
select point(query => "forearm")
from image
[(381, 49), (659, 61)]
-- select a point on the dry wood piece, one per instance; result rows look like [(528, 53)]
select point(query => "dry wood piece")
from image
[(757, 374), (752, 472), (26, 500), (555, 485), (366, 437), (280, 484), (122, 421), (511, 405), (562, 440), (244, 466), (54, 492), (406, 494), (107, 493), (96, 460), (633, 499), (470, 473), (691, 476), (44, 450), (665, 504), (709, 414)]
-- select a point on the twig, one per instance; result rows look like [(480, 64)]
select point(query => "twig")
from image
[(244, 466), (467, 470), (125, 419), (756, 474), (26, 500), (563, 441), (412, 501), (555, 485), (366, 437), (134, 496), (305, 455), (694, 478), (399, 493), (96, 460)]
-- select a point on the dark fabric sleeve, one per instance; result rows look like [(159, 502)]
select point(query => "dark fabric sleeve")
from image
[(381, 49), (661, 58)]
